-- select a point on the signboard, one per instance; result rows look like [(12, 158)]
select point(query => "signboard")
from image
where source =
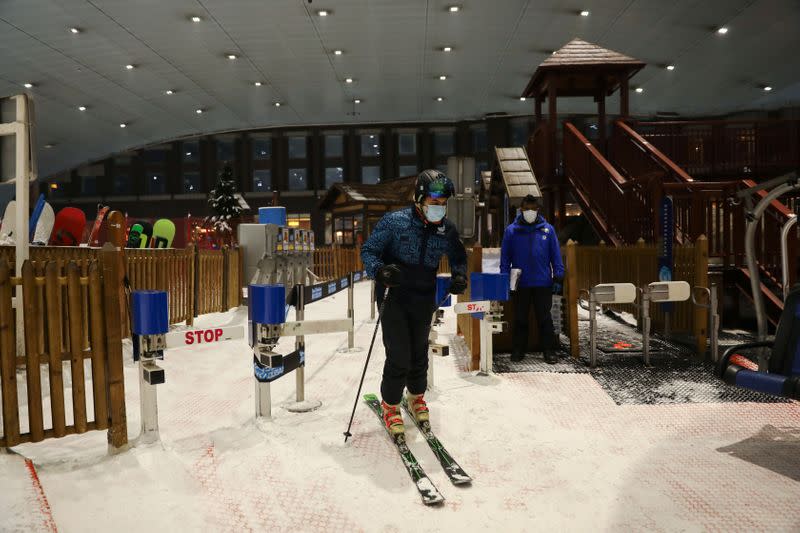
[(180, 339), (666, 238), (472, 307)]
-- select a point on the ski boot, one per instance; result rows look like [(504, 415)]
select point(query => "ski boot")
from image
[(392, 419), (550, 357), (418, 408)]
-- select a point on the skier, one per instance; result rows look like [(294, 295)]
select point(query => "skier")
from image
[(403, 254), (531, 245)]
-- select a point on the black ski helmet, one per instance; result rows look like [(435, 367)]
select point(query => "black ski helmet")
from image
[(434, 184)]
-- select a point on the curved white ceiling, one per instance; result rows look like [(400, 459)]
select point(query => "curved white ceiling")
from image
[(392, 49)]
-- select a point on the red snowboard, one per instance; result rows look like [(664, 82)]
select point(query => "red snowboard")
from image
[(68, 228)]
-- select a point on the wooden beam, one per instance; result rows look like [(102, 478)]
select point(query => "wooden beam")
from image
[(624, 93)]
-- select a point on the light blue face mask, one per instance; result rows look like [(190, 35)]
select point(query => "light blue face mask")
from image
[(434, 213)]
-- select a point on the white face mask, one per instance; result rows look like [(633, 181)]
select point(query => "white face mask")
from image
[(530, 215), (434, 213)]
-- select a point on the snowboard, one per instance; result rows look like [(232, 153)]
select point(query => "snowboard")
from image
[(139, 234), (37, 212), (163, 233), (94, 235), (115, 228), (147, 234), (44, 226), (9, 224), (68, 227)]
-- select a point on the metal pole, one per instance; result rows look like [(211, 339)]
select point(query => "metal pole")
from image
[(592, 330), (21, 186), (430, 359), (484, 337), (785, 252), (646, 326), (263, 400), (713, 326), (148, 401), (300, 343), (351, 334), (372, 301)]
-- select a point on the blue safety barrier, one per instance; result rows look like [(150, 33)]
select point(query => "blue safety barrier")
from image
[(267, 304), (272, 215), (150, 312), (442, 289)]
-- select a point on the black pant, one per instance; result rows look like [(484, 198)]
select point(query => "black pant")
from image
[(405, 323), (542, 300)]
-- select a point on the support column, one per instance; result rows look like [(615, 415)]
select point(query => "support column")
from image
[(555, 198), (601, 118), (537, 109), (624, 93)]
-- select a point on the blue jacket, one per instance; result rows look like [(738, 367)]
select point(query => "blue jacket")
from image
[(534, 249), (416, 246)]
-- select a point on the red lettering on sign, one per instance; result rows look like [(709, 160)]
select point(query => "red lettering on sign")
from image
[(189, 339), (217, 334), (208, 335)]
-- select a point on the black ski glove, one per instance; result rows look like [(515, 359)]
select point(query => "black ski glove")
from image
[(458, 284), (389, 276), (558, 286)]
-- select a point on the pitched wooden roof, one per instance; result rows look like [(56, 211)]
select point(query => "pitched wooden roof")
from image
[(390, 192), (578, 55)]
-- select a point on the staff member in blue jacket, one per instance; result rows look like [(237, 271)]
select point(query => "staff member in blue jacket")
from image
[(531, 245)]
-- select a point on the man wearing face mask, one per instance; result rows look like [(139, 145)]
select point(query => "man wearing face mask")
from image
[(531, 245), (403, 254)]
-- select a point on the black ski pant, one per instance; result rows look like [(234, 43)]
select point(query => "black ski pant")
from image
[(542, 300), (405, 323)]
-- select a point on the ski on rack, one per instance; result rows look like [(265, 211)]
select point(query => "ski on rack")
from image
[(427, 490)]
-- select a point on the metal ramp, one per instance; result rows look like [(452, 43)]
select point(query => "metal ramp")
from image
[(517, 173)]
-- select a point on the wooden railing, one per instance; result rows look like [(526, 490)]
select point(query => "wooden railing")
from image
[(71, 313), (540, 152), (333, 262)]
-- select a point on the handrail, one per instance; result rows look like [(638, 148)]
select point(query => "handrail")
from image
[(654, 152), (716, 122), (779, 206), (617, 178)]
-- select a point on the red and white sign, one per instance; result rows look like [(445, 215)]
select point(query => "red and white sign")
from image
[(472, 307), (192, 337)]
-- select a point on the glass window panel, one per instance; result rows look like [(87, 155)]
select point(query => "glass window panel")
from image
[(156, 183), (191, 152), (444, 143), (262, 148), (480, 140), (334, 145), (333, 175), (371, 174), (479, 167), (370, 145), (262, 180), (191, 182), (122, 184), (408, 170), (297, 147), (224, 151), (519, 133), (407, 144), (297, 179), (89, 185), (155, 156)]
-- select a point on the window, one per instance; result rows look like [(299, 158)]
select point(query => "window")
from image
[(408, 170), (89, 185), (121, 184), (57, 189), (443, 143), (297, 179), (297, 147), (155, 155), (262, 148), (333, 175), (480, 166), (334, 145), (262, 180), (191, 152), (370, 174), (225, 153), (370, 145), (347, 228), (156, 183), (191, 182), (407, 144), (299, 220), (480, 140), (519, 132)]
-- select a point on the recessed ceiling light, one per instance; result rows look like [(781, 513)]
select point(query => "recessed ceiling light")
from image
[(723, 30), (323, 12), (49, 145), (232, 56), (195, 18), (198, 111), (639, 90), (522, 98), (82, 108), (257, 84), (348, 80), (357, 101), (767, 88), (454, 9), (447, 49), (27, 85), (123, 125), (74, 30), (277, 104), (670, 67), (439, 98), (554, 52), (585, 13), (442, 77), (169, 91), (337, 52), (129, 67)]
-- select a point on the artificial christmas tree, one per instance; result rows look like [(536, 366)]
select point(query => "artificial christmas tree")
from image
[(227, 204)]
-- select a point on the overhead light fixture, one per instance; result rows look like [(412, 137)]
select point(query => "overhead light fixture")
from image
[(195, 18), (129, 67), (48, 146), (522, 98), (337, 52), (767, 88), (82, 108), (257, 84), (74, 30), (554, 52), (198, 111), (722, 30), (323, 12), (442, 77), (169, 91), (27, 85), (123, 125), (232, 56), (454, 9), (277, 104), (447, 49), (670, 67), (348, 80), (585, 13), (639, 90), (439, 98), (357, 101), (54, 186)]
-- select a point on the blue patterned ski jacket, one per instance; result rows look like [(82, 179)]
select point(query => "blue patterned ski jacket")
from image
[(403, 238)]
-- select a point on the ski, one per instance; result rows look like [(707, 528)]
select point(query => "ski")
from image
[(427, 490), (452, 469)]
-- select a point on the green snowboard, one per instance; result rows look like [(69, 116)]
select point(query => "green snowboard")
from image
[(163, 233)]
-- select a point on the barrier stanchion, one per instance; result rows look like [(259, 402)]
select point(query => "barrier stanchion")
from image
[(301, 405), (150, 325), (350, 312)]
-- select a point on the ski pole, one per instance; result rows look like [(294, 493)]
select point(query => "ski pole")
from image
[(347, 433)]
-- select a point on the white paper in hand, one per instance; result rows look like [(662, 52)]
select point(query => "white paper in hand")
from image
[(513, 278)]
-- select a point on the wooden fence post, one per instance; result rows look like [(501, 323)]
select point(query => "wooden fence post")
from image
[(475, 265), (118, 429), (8, 360), (32, 317), (195, 271), (701, 280), (571, 299)]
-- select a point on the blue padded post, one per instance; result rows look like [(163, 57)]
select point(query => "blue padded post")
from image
[(267, 304), (150, 313), (759, 381), (272, 215), (476, 286), (442, 287), (489, 286)]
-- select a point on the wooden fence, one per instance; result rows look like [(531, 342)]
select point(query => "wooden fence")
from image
[(71, 314), (332, 262)]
